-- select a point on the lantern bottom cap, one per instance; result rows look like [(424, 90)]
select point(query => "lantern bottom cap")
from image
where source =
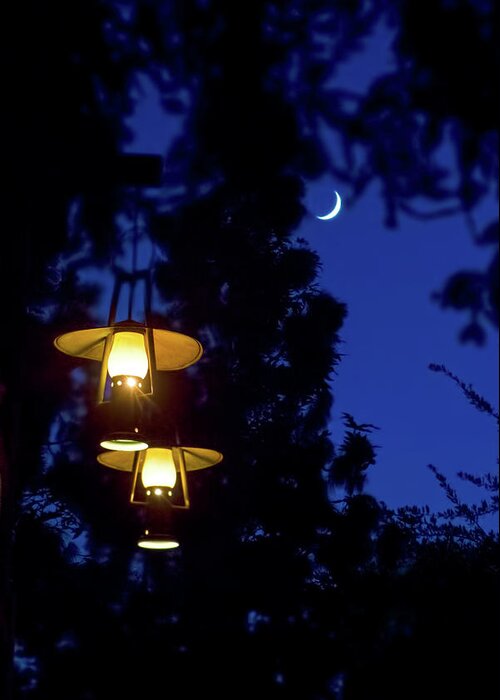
[(157, 542), (124, 444)]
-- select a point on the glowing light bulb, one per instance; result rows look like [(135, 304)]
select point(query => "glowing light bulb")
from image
[(158, 468), (128, 356)]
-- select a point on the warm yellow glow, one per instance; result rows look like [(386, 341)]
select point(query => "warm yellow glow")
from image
[(124, 445), (128, 355), (158, 468), (164, 543)]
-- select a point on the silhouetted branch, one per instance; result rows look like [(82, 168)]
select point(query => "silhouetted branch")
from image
[(473, 397)]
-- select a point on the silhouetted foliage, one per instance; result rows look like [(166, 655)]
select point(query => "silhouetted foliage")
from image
[(356, 454)]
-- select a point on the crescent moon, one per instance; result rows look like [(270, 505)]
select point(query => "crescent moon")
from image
[(334, 211)]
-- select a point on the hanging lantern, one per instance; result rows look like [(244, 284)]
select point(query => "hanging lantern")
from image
[(158, 468), (130, 353)]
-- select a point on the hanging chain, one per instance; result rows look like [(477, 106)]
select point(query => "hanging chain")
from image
[(135, 245)]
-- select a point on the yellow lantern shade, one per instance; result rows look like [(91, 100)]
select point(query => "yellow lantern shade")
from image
[(172, 350), (158, 468), (195, 458), (128, 356)]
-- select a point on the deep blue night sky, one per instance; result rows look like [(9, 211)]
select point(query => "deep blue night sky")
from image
[(394, 329)]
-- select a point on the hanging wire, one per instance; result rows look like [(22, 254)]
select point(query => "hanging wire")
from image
[(135, 243), (133, 235)]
